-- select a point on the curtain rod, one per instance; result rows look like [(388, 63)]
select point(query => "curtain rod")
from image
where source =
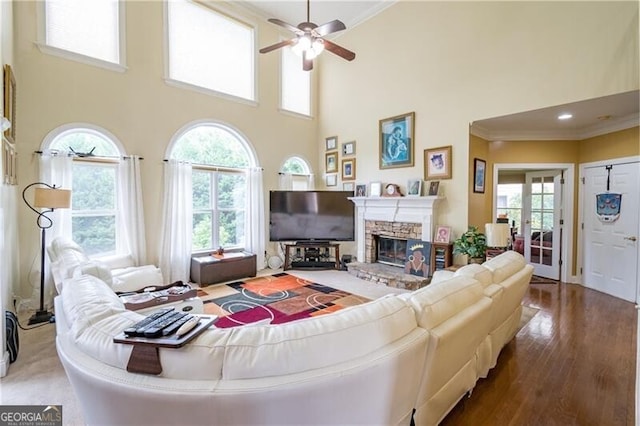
[(124, 157), (217, 168)]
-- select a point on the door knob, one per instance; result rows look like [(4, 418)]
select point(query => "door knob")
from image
[(631, 238)]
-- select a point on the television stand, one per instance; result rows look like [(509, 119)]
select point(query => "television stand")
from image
[(312, 255)]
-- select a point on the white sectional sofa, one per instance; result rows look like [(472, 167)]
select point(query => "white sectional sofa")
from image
[(383, 362)]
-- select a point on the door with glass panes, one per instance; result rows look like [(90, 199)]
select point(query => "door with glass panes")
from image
[(542, 219)]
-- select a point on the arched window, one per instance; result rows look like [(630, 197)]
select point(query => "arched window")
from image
[(220, 157), (94, 183), (296, 174)]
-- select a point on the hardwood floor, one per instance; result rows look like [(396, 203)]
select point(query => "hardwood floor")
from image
[(572, 364)]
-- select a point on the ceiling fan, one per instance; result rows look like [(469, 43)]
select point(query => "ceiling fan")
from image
[(309, 40)]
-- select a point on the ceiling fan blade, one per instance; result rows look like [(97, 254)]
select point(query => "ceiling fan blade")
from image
[(339, 50), (285, 25), (307, 64), (329, 27), (277, 45)]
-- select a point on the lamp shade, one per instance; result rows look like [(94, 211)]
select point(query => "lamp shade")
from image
[(497, 234), (52, 198)]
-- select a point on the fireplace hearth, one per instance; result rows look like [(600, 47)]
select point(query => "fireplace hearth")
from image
[(395, 219)]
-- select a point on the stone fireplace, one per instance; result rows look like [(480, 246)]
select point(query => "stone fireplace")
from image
[(400, 218)]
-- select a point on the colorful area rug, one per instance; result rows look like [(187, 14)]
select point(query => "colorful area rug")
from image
[(274, 299)]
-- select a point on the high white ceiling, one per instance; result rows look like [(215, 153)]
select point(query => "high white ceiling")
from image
[(351, 13)]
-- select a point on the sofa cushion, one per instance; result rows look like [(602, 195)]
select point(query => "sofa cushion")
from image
[(434, 304), (87, 300), (312, 343), (505, 265), (478, 272)]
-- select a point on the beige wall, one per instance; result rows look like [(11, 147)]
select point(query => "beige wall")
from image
[(480, 209), (141, 110), (457, 62), (625, 143)]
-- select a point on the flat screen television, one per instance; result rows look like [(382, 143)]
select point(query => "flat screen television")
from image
[(311, 216)]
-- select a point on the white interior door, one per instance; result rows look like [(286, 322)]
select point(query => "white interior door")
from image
[(542, 222), (611, 247)]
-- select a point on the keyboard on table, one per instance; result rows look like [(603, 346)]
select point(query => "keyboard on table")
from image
[(161, 323)]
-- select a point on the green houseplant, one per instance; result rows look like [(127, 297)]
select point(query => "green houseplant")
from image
[(472, 243)]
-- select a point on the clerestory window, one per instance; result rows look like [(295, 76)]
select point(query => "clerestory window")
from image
[(86, 31), (210, 50)]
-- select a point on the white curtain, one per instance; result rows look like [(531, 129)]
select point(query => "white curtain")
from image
[(255, 218), (177, 222), (286, 181), (131, 211), (55, 170), (311, 182)]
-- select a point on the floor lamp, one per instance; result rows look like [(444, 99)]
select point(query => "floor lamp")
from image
[(47, 198)]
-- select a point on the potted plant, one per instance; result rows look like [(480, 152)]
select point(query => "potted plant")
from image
[(471, 243)]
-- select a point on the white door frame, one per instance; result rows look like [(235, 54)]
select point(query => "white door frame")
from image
[(580, 254), (566, 214)]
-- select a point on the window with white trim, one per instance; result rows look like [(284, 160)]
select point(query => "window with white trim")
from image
[(220, 157), (298, 174), (87, 28), (295, 84), (94, 189), (210, 50)]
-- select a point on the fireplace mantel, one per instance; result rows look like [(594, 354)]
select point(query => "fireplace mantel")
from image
[(394, 209)]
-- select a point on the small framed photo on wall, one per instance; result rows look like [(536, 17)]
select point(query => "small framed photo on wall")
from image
[(349, 169), (331, 162), (437, 163), (349, 148), (331, 143), (331, 180), (479, 174)]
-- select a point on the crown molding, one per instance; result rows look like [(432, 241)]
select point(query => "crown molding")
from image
[(597, 129)]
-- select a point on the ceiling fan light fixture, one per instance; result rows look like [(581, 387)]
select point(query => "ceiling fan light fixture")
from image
[(311, 46)]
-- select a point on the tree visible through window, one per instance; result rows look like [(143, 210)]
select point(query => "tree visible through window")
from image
[(220, 157), (94, 189)]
